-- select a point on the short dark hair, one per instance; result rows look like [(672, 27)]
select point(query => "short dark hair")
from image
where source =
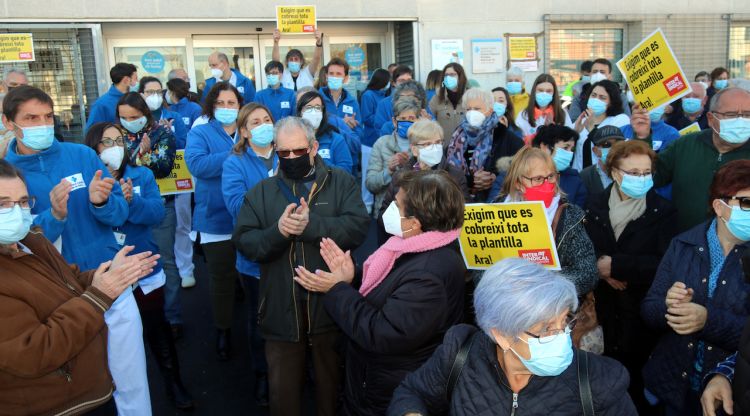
[(145, 80), (730, 179), (295, 52), (94, 137), (615, 99), (434, 198), (136, 101), (379, 79), (586, 66), (213, 95), (339, 62), (552, 134), (716, 73), (120, 71), (392, 65), (10, 171), (274, 65), (401, 70), (701, 74), (602, 61), (179, 87), (21, 95)]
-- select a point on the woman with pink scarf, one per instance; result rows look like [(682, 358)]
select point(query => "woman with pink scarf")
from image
[(411, 291)]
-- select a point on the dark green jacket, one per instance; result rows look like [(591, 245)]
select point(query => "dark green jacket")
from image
[(689, 164), (336, 211)]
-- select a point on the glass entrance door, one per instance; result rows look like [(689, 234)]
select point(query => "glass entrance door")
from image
[(242, 54)]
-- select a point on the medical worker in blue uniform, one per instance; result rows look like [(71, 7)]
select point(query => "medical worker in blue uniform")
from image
[(124, 79), (221, 71), (332, 145), (279, 100)]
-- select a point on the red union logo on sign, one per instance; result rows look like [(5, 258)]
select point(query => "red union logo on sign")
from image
[(674, 84), (543, 256), (308, 28), (184, 184), (24, 55)]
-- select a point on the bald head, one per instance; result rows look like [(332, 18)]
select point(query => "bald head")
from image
[(731, 100), (219, 60), (698, 90)]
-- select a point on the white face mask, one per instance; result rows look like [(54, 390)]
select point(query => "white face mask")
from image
[(431, 155), (314, 117), (597, 77), (475, 118), (154, 101), (217, 73), (392, 220), (112, 156)]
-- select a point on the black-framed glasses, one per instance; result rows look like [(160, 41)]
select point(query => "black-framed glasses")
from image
[(634, 173), (743, 200), (538, 180), (7, 205), (549, 335), (109, 142), (732, 114), (297, 152)]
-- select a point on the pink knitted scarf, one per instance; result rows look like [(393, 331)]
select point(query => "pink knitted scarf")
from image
[(381, 262)]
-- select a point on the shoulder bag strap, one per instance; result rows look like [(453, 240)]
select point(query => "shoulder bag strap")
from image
[(458, 363), (584, 385), (556, 219)]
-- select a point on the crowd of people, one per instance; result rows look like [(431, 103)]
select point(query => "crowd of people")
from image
[(652, 230)]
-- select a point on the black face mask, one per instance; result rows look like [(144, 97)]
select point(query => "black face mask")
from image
[(296, 168)]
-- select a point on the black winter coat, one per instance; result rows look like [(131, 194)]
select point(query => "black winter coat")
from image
[(482, 388), (398, 325)]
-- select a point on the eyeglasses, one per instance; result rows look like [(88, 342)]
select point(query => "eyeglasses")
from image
[(151, 92), (311, 108), (7, 205), (743, 200), (427, 144), (549, 335), (607, 144), (297, 152), (634, 173), (732, 114), (109, 142), (538, 180)]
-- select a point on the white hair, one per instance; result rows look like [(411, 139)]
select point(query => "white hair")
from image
[(477, 94), (514, 71), (13, 70), (406, 104), (516, 294), (291, 123)]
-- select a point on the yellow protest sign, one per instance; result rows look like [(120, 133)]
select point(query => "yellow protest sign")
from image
[(492, 232), (179, 181), (522, 48), (653, 73), (693, 128), (16, 47), (296, 19)]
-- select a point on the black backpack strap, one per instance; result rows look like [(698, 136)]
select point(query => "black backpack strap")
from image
[(584, 385), (288, 194), (458, 363)]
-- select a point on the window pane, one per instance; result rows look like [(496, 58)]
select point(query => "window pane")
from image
[(363, 59), (570, 47), (739, 52), (240, 58), (153, 61)]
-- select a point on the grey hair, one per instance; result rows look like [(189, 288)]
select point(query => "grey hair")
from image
[(414, 87), (743, 84), (173, 73), (514, 71), (406, 104), (717, 97), (222, 57), (424, 129), (291, 123), (516, 294), (13, 70), (477, 94)]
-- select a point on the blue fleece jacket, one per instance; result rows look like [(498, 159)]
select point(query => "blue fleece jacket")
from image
[(346, 107), (146, 210), (104, 108), (281, 101), (383, 113), (369, 106), (242, 173), (178, 125), (87, 238), (351, 138), (188, 111), (333, 150), (208, 146), (245, 86)]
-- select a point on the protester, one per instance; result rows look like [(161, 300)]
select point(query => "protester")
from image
[(391, 151), (719, 81), (279, 100), (377, 89), (145, 210), (221, 71), (699, 296), (543, 108), (574, 88), (13, 78), (299, 74), (503, 107), (178, 101), (401, 75), (601, 69), (515, 85), (533, 177), (332, 147), (658, 135), (280, 226), (409, 88), (689, 109), (180, 73), (447, 104), (417, 272), (48, 329), (432, 83), (152, 92), (631, 227), (6, 133), (124, 78), (522, 359), (595, 177), (339, 101), (208, 147), (479, 141), (604, 108), (703, 78), (252, 160)]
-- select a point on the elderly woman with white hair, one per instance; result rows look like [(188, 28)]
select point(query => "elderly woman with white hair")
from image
[(522, 361), (479, 141)]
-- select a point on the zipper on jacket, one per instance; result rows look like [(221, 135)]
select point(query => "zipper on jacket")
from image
[(515, 404), (559, 244)]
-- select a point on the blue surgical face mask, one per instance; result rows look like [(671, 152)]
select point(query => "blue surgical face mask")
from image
[(499, 109), (691, 105), (543, 99), (597, 106), (720, 84), (585, 78), (636, 187), (38, 137), (134, 126), (403, 128), (134, 88), (226, 116), (450, 82), (262, 135), (335, 83), (387, 86), (549, 358), (272, 79), (294, 66), (562, 158), (738, 223), (656, 114), (514, 87), (605, 152), (14, 224), (733, 130)]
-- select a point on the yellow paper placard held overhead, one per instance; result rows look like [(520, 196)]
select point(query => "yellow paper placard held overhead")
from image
[(16, 47), (522, 48), (492, 232), (693, 128), (180, 180), (296, 19), (653, 73)]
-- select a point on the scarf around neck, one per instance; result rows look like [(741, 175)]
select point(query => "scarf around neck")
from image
[(380, 263), (480, 138), (621, 213)]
